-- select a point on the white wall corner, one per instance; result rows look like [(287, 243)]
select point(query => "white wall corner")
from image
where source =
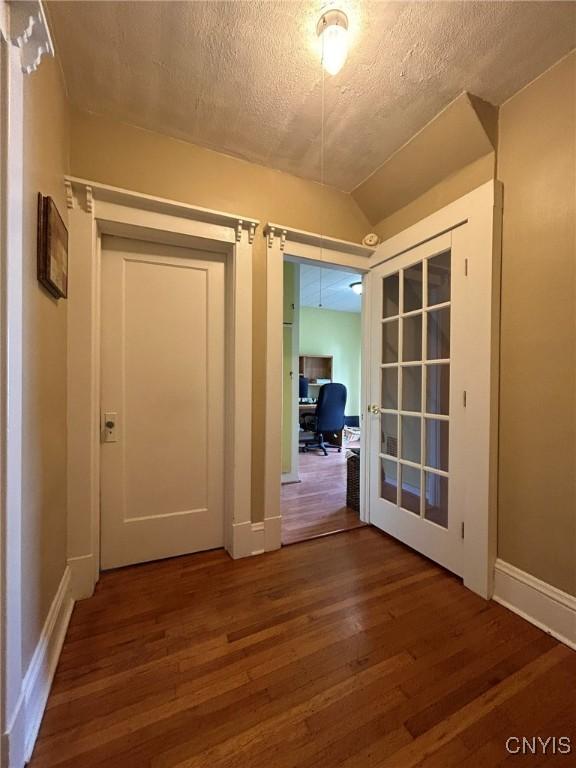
[(81, 576), (23, 730), (547, 607)]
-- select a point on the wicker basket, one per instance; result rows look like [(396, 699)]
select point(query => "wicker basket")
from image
[(353, 481)]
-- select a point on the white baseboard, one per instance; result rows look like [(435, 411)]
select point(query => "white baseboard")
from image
[(258, 533), (545, 606), (21, 736), (81, 576), (290, 477), (256, 538), (272, 533)]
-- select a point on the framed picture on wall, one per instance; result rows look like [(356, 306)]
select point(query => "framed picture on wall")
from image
[(52, 249)]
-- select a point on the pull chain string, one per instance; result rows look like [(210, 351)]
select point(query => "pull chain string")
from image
[(322, 161)]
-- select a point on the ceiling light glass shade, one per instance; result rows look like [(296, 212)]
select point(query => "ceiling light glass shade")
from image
[(333, 33), (357, 288)]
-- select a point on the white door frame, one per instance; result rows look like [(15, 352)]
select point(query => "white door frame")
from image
[(292, 476), (97, 209), (24, 40), (303, 247), (475, 222)]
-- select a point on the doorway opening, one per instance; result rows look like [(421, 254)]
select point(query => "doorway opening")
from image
[(321, 400)]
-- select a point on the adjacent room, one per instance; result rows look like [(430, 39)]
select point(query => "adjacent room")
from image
[(287, 383), (321, 398)]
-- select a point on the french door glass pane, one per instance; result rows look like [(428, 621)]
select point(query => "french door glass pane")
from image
[(390, 342), (389, 436), (390, 301), (419, 388), (438, 388), (412, 388), (439, 334), (412, 341), (413, 288), (411, 432), (439, 279), (436, 503), (390, 388), (389, 480), (410, 489), (437, 444)]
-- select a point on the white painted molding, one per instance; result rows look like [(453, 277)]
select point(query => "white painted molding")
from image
[(30, 33), (272, 533), (547, 607), (85, 192), (292, 235), (256, 538), (82, 581), (23, 730)]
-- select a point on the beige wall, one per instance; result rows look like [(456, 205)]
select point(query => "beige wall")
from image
[(46, 143), (461, 134), (124, 156), (537, 164), (445, 192)]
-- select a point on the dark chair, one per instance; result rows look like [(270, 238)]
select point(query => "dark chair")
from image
[(302, 387), (329, 417)]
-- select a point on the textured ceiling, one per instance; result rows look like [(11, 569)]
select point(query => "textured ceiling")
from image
[(329, 287), (244, 77)]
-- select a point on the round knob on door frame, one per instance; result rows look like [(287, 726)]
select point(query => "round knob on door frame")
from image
[(109, 425), (374, 409)]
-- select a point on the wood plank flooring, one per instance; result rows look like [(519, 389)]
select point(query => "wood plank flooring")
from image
[(317, 505), (347, 651)]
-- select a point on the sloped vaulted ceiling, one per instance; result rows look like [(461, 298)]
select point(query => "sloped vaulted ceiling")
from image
[(244, 78)]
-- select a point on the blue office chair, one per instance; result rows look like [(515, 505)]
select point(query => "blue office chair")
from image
[(329, 417)]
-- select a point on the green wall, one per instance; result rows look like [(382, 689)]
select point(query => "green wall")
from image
[(326, 332)]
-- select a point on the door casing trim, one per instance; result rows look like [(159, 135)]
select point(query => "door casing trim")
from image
[(95, 210)]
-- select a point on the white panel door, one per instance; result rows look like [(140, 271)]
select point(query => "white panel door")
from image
[(416, 400), (162, 402)]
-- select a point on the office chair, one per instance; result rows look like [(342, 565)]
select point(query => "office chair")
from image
[(302, 387), (329, 417)]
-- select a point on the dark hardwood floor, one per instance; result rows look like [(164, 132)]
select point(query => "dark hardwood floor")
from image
[(343, 651), (317, 505)]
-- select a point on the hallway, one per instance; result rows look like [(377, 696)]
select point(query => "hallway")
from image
[(348, 651), (317, 505)]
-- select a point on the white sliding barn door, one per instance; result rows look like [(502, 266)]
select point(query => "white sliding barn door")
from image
[(416, 398), (162, 402)]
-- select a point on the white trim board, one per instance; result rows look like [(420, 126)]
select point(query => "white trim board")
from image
[(536, 601), (23, 730)]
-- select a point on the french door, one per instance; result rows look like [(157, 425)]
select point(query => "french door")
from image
[(417, 400)]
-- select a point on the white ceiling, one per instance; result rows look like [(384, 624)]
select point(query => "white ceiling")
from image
[(244, 77), (330, 287)]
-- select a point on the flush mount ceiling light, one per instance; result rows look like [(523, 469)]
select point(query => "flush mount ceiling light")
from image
[(357, 288), (332, 29)]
